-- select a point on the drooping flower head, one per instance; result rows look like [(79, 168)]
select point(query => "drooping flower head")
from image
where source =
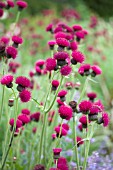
[(84, 70), (18, 123), (60, 132)]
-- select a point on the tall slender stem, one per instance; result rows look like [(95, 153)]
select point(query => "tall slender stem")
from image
[(75, 142)]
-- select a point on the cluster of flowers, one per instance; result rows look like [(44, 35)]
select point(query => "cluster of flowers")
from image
[(10, 4)]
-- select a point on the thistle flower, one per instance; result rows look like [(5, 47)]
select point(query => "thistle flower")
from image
[(59, 102), (25, 96), (83, 121), (77, 57), (95, 70), (16, 41), (10, 4), (40, 63), (7, 80), (77, 27), (60, 131), (73, 105), (55, 84), (79, 35), (11, 102), (62, 95), (21, 5), (49, 28), (65, 126), (24, 118), (73, 45), (35, 116), (104, 119), (56, 152), (62, 164), (85, 106), (91, 96), (11, 52), (62, 43), (1, 12), (50, 64), (2, 5), (66, 70), (65, 112), (79, 141), (18, 123), (51, 44), (84, 70), (60, 35), (25, 111), (61, 58), (23, 82)]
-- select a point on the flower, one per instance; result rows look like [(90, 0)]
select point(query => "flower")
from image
[(79, 141), (99, 105), (104, 119), (73, 105), (17, 40), (50, 64), (65, 112), (62, 164), (49, 28), (62, 43), (77, 57), (40, 63), (58, 130), (77, 27), (65, 126), (51, 44), (21, 5), (35, 116), (65, 70), (80, 35), (23, 82), (24, 118), (62, 95), (7, 80), (61, 58), (1, 12), (11, 52), (25, 111), (10, 4), (59, 102), (73, 45), (39, 167), (96, 70), (85, 106), (18, 123), (25, 96), (83, 121), (91, 96), (55, 84), (84, 69), (60, 35), (56, 152), (2, 5)]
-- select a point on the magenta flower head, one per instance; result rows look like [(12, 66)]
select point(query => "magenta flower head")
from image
[(62, 95), (16, 41), (24, 118), (104, 119), (58, 29), (77, 57), (66, 70), (79, 35), (1, 12), (91, 96), (61, 58), (60, 35), (59, 102), (39, 167), (40, 63), (65, 112), (25, 111), (85, 106), (53, 136), (2, 5), (56, 152), (73, 45), (51, 44), (77, 27), (18, 123), (25, 96), (49, 28), (21, 5), (84, 70), (11, 52), (50, 64), (79, 141), (93, 115), (38, 70), (58, 130), (7, 80), (23, 82), (80, 127), (5, 40), (10, 4), (35, 116), (55, 84), (62, 43), (83, 121), (96, 70), (65, 126), (62, 164), (54, 169), (69, 85)]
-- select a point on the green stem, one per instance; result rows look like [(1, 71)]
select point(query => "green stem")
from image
[(75, 142), (3, 92)]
